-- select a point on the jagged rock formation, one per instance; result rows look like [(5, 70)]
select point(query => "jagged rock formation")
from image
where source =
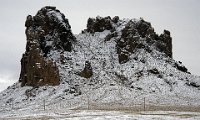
[(46, 31), (135, 35), (112, 61), (50, 31)]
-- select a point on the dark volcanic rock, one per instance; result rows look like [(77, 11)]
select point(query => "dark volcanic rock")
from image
[(36, 71), (154, 71), (164, 43), (47, 30), (87, 72), (51, 29), (141, 35), (127, 43), (194, 84), (99, 24), (144, 28), (180, 67)]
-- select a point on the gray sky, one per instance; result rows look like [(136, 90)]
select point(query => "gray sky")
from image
[(181, 17)]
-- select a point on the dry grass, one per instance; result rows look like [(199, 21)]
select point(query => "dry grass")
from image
[(139, 107)]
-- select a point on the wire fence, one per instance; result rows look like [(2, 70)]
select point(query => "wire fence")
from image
[(87, 104)]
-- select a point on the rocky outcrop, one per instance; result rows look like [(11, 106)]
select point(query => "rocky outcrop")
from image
[(164, 43), (51, 30), (100, 24), (46, 31), (135, 35), (140, 35)]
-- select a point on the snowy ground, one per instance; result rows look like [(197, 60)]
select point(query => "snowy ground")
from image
[(103, 115)]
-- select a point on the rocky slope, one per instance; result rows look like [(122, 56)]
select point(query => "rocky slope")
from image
[(113, 61)]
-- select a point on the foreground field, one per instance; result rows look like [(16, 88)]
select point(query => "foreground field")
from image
[(102, 115)]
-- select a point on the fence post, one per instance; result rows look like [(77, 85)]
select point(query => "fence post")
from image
[(12, 105), (88, 103), (44, 104), (144, 104), (70, 103)]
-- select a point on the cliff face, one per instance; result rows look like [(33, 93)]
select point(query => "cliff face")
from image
[(46, 31), (36, 71)]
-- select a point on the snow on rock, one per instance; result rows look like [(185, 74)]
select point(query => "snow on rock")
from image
[(126, 62)]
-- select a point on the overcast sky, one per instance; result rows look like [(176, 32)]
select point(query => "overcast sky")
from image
[(181, 17)]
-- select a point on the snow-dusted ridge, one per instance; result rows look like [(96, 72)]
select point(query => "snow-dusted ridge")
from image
[(147, 73)]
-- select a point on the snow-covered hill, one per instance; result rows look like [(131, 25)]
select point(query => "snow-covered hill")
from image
[(114, 62)]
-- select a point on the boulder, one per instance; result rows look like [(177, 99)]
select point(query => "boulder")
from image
[(87, 72), (180, 67), (154, 71)]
